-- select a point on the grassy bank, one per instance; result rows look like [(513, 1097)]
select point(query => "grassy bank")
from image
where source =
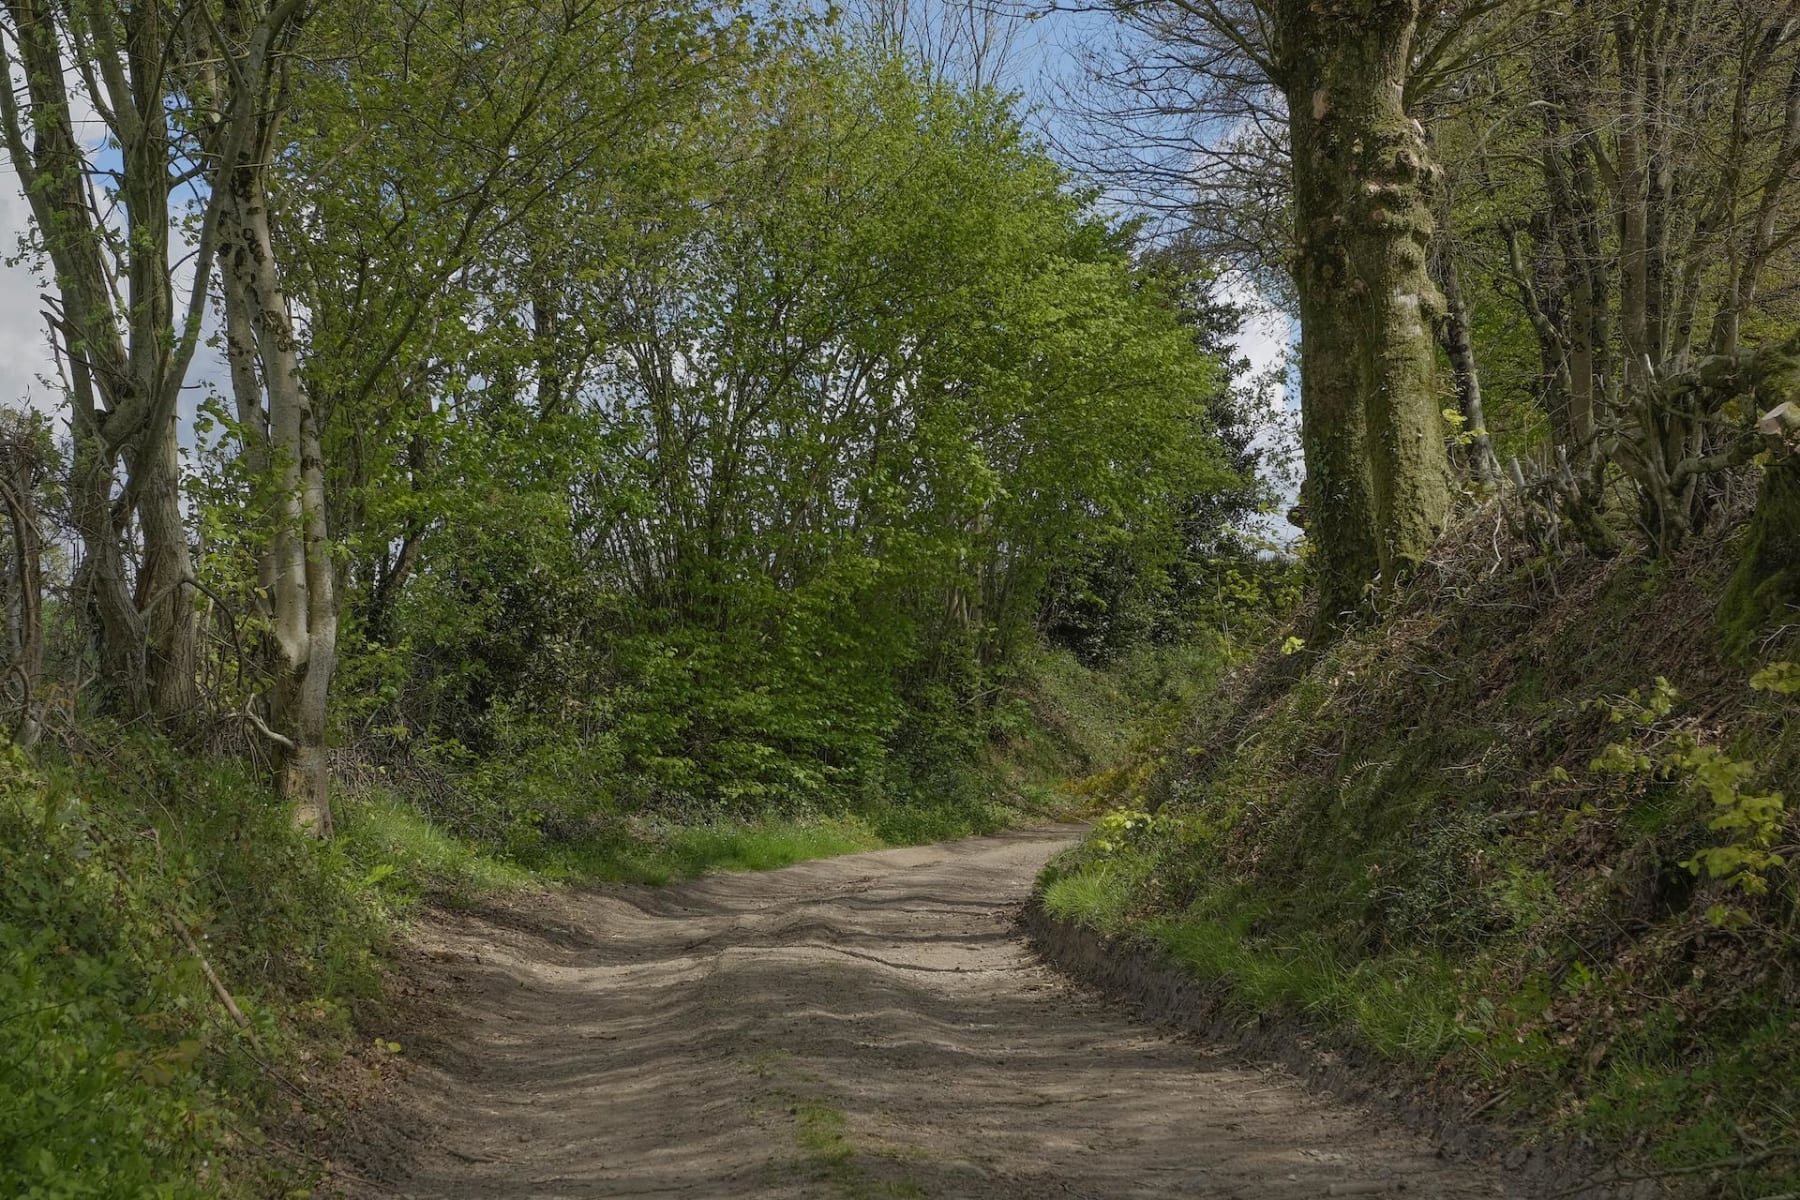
[(169, 1015), (1529, 836)]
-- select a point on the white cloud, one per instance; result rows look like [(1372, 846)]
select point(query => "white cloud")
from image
[(25, 358), (24, 348)]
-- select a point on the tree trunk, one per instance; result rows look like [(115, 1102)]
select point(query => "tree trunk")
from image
[(1378, 488), (1459, 346), (124, 353), (1633, 224), (165, 595), (102, 585), (20, 475), (1591, 339), (297, 563), (1573, 224), (1338, 495), (1746, 277)]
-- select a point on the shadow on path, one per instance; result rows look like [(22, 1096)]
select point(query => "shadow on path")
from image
[(865, 1026)]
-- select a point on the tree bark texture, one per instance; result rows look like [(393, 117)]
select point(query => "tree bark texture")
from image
[(1378, 485), (1459, 347)]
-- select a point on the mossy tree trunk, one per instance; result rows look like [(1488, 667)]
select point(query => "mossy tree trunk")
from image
[(1765, 589), (1378, 484)]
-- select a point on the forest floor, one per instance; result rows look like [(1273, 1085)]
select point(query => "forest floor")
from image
[(865, 1026)]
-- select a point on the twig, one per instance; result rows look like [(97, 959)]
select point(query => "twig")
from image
[(1492, 1100), (248, 715), (212, 977)]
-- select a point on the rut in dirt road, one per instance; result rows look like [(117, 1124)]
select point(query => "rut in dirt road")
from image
[(868, 1026)]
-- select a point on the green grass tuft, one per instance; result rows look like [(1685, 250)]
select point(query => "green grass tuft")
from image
[(830, 1156), (407, 856), (662, 853), (1098, 899)]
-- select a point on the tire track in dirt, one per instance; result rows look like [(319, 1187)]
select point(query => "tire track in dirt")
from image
[(866, 1026)]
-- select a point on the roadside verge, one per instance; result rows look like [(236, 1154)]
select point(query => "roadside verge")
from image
[(1144, 978)]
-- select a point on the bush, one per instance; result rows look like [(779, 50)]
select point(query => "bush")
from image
[(120, 1072)]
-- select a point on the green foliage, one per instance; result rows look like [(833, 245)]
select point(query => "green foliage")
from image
[(98, 1081), (548, 812), (1638, 706), (925, 395), (1751, 820), (1782, 678), (714, 415), (120, 1074), (1118, 829)]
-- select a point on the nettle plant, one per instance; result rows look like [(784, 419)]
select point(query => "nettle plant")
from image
[(1750, 820)]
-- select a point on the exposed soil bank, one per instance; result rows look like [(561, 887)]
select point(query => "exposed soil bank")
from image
[(864, 1026)]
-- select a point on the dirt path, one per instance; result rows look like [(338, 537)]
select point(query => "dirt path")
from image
[(868, 1026)]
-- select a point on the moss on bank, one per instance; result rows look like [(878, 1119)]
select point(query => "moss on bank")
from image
[(1766, 583)]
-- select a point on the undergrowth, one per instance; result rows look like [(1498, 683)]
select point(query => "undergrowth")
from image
[(561, 817), (1529, 838), (124, 878)]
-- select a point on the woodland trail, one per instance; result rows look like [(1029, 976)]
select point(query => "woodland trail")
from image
[(867, 1026)]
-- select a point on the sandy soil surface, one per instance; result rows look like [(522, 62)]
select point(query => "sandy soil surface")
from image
[(868, 1026)]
